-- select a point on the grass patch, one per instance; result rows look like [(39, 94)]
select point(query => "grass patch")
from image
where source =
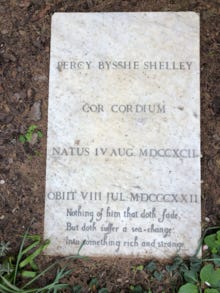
[(20, 273), (191, 275)]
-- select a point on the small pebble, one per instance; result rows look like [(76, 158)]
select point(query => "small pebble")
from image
[(40, 78), (14, 210), (207, 219), (30, 93), (22, 33), (35, 112), (2, 182), (4, 31), (205, 247), (17, 97), (34, 139), (10, 160), (2, 217)]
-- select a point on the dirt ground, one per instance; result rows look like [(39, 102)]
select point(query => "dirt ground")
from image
[(24, 67)]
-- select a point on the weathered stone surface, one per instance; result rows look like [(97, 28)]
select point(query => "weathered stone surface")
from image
[(123, 153)]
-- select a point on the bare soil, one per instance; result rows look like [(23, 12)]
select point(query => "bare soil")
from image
[(24, 67)]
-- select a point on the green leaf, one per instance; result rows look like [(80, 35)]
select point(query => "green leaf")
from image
[(39, 134), (158, 275), (216, 260), (191, 276), (213, 242), (210, 240), (140, 268), (30, 132), (103, 290), (195, 263), (4, 289), (21, 138), (218, 237), (28, 274), (31, 128), (19, 256), (176, 263), (211, 276), (49, 288), (81, 246), (151, 266), (137, 289), (9, 285), (30, 258), (206, 273), (28, 137), (36, 240), (49, 268), (77, 289), (33, 265), (4, 248), (93, 284), (188, 288), (211, 291), (183, 268)]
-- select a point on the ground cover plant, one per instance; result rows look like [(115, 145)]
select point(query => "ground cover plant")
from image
[(193, 275), (196, 274), (24, 70), (19, 273), (28, 136)]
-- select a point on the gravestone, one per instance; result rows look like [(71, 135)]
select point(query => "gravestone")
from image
[(123, 148)]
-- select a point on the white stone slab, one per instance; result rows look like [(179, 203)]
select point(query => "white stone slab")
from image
[(123, 152)]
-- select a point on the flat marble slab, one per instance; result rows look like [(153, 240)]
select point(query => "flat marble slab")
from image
[(123, 147)]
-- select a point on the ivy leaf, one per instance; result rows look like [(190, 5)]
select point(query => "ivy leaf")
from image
[(195, 263), (176, 263), (158, 275), (188, 288), (191, 276), (77, 289), (216, 260), (213, 242), (183, 268), (209, 275), (151, 266)]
